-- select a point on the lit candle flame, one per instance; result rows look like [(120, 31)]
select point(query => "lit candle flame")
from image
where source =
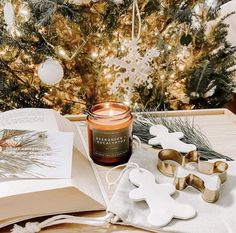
[(111, 112)]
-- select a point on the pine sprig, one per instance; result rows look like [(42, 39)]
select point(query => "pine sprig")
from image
[(192, 133)]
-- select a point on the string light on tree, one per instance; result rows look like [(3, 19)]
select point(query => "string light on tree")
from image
[(61, 52), (24, 12), (94, 55)]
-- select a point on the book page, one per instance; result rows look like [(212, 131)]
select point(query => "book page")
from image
[(65, 125), (87, 171), (40, 119), (29, 119), (82, 128)]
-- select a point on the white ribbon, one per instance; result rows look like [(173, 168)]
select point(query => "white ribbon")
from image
[(136, 143), (135, 7), (126, 165), (34, 227)]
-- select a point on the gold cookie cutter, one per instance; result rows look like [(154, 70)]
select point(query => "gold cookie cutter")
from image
[(167, 164)]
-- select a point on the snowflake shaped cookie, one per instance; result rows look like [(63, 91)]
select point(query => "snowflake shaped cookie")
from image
[(132, 70)]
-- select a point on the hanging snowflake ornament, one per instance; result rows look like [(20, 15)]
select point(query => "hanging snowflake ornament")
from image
[(134, 69)]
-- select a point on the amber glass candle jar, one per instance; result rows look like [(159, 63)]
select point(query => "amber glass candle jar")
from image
[(110, 133)]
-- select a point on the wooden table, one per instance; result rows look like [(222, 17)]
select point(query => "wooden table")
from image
[(218, 125)]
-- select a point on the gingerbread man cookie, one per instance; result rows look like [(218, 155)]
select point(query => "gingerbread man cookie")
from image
[(169, 140), (157, 196)]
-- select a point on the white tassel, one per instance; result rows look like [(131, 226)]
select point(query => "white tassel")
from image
[(34, 227)]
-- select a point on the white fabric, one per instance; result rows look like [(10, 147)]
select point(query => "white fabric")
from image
[(216, 217)]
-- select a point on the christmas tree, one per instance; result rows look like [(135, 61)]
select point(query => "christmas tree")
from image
[(153, 54)]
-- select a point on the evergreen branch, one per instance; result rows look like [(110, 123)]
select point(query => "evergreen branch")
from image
[(45, 9), (5, 105), (8, 68), (192, 133), (227, 16)]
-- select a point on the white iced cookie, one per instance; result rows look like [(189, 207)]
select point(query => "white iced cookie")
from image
[(169, 140), (163, 208)]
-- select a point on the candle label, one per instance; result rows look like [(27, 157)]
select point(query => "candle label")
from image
[(114, 143)]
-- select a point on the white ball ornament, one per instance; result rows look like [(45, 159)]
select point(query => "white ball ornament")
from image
[(9, 16), (50, 71)]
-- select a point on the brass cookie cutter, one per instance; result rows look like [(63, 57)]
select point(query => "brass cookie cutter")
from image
[(169, 161)]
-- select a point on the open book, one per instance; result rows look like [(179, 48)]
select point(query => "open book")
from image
[(24, 198)]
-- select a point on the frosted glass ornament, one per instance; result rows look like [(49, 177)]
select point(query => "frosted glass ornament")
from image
[(50, 71), (9, 16)]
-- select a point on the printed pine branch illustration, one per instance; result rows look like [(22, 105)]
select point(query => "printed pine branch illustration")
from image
[(20, 150)]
